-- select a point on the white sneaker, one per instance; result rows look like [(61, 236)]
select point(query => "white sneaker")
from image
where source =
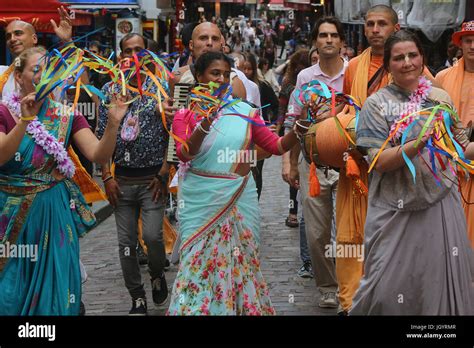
[(328, 300)]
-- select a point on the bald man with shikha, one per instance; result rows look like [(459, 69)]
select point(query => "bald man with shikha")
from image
[(206, 37), (21, 35)]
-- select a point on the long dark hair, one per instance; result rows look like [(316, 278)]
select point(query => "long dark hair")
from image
[(250, 57), (400, 36), (300, 57)]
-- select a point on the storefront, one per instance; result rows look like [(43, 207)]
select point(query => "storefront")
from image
[(159, 19), (112, 19)]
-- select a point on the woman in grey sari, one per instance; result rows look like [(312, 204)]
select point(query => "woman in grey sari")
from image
[(418, 260)]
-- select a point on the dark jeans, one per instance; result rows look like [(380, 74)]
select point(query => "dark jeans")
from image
[(136, 199), (304, 251), (293, 201)]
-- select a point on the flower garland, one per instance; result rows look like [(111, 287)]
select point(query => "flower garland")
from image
[(12, 102), (416, 99), (44, 139), (52, 147)]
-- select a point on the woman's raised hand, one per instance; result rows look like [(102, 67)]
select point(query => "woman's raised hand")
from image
[(29, 107)]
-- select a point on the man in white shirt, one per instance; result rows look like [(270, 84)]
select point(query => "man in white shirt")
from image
[(247, 33), (206, 37), (328, 38)]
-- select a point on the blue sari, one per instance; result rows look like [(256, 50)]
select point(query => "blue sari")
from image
[(44, 217), (218, 214)]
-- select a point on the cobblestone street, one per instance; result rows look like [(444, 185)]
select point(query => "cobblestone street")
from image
[(104, 293)]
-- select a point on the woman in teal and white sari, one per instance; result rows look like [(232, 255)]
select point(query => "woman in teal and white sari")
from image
[(42, 212), (219, 272)]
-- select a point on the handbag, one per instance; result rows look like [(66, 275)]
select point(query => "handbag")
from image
[(130, 128)]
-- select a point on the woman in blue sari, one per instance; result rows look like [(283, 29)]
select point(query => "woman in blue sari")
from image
[(218, 214), (42, 212)]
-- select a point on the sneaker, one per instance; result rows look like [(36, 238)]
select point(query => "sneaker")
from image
[(167, 265), (328, 300), (159, 290), (306, 271), (138, 306), (292, 221)]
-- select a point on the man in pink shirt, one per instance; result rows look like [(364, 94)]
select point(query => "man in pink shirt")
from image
[(318, 212)]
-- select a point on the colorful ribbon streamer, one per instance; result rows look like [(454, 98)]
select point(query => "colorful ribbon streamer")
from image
[(443, 146)]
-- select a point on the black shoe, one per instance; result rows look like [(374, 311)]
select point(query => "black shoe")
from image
[(306, 271), (138, 306), (167, 265), (342, 312), (82, 309), (159, 290), (142, 258)]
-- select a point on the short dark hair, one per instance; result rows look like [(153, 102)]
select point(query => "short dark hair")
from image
[(400, 36), (384, 8), (330, 20), (206, 59), (129, 36)]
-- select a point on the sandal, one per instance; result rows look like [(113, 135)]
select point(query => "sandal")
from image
[(291, 222)]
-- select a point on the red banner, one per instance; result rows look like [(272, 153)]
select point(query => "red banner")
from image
[(38, 13)]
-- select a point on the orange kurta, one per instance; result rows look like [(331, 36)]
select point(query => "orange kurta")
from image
[(375, 63), (460, 86), (351, 209)]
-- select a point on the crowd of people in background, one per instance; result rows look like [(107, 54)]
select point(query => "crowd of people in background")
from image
[(279, 56), (264, 63)]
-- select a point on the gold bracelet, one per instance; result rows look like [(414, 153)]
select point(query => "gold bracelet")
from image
[(31, 118)]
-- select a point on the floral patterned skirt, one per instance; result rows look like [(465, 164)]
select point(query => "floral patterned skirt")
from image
[(220, 274)]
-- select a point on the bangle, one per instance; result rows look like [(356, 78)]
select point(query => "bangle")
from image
[(106, 175), (296, 132), (30, 118), (107, 179), (203, 130)]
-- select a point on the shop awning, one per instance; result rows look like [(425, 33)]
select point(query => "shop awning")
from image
[(94, 4), (38, 13), (300, 5)]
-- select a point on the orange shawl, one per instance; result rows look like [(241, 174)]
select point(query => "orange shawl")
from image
[(351, 208), (91, 191), (4, 77), (451, 80), (361, 78)]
